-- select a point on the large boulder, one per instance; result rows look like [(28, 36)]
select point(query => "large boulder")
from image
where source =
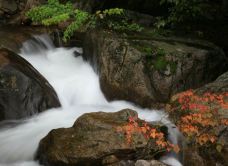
[(24, 91), (148, 70), (209, 105), (96, 139)]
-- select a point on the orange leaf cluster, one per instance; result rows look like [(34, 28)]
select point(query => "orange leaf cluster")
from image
[(224, 122), (199, 115), (205, 138), (133, 126)]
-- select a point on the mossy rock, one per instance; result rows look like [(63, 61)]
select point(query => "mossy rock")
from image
[(149, 71)]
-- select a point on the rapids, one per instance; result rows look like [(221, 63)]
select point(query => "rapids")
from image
[(78, 89)]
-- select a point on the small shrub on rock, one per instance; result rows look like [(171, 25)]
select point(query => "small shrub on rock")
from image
[(135, 125), (199, 117)]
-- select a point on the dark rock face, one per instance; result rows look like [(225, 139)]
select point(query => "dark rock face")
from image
[(12, 37), (220, 85), (24, 91), (13, 11), (93, 140), (195, 155), (152, 7), (137, 163), (148, 71)]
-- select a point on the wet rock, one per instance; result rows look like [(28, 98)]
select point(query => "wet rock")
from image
[(12, 37), (137, 163), (126, 163), (147, 70), (93, 140), (24, 91), (149, 163), (110, 160)]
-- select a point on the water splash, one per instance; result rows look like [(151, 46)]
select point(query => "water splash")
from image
[(78, 89)]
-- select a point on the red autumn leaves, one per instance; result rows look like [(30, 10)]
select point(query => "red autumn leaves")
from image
[(134, 125), (198, 116)]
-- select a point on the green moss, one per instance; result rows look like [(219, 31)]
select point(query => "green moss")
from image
[(160, 63), (160, 52), (150, 34), (147, 50), (155, 57), (173, 67), (142, 48)]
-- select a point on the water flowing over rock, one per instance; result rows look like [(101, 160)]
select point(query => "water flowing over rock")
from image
[(148, 70), (93, 140), (24, 91), (12, 37)]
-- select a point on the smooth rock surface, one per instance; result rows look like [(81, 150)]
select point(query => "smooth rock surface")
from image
[(93, 140), (24, 91)]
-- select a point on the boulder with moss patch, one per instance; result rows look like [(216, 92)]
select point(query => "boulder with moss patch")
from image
[(148, 70)]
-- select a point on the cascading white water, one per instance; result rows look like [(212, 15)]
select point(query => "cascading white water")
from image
[(79, 92)]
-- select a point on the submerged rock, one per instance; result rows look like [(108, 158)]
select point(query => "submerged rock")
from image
[(24, 91), (148, 70), (93, 140)]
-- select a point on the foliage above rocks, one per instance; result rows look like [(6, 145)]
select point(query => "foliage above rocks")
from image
[(55, 12)]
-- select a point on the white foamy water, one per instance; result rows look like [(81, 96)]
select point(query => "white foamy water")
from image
[(79, 91)]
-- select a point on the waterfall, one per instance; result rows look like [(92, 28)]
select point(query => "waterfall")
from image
[(78, 89)]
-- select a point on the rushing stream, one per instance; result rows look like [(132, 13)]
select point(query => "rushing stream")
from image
[(77, 86)]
